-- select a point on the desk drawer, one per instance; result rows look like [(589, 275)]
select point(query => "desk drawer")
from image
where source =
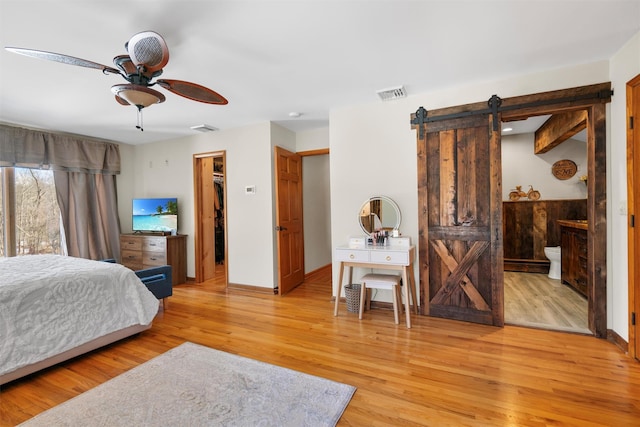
[(353, 255), (390, 257)]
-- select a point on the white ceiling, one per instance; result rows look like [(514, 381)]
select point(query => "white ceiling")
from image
[(270, 58)]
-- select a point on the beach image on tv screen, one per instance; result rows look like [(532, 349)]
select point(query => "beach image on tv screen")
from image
[(155, 214)]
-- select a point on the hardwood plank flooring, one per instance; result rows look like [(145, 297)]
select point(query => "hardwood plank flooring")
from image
[(438, 373), (534, 300)]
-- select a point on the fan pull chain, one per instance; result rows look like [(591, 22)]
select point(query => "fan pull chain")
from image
[(139, 125)]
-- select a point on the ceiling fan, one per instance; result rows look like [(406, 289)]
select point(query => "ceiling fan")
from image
[(147, 55)]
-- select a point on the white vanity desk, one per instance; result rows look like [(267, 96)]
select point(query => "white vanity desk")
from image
[(391, 257)]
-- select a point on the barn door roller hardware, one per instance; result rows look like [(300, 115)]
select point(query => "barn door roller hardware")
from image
[(495, 106)]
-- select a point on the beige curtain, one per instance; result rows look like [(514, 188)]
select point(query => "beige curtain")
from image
[(89, 208), (84, 173)]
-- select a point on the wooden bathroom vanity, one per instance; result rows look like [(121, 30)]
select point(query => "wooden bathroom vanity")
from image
[(574, 254)]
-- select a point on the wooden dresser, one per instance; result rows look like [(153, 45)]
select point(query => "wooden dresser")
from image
[(140, 251)]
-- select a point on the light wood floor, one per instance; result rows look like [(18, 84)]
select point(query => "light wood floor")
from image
[(534, 300), (439, 373)]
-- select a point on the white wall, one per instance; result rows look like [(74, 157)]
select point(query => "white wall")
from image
[(312, 139), (125, 186), (521, 166), (316, 201), (625, 65), (373, 152)]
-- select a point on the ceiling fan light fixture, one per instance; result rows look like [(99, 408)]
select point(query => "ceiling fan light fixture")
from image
[(137, 95)]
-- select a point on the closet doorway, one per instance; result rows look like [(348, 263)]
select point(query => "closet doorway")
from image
[(210, 222)]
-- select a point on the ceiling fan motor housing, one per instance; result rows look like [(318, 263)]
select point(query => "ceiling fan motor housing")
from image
[(148, 49)]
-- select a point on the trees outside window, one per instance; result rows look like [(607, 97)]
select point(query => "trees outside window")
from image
[(37, 217)]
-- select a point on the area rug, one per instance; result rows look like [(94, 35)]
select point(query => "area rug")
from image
[(193, 385)]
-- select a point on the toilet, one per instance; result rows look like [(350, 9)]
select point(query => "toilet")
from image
[(554, 255)]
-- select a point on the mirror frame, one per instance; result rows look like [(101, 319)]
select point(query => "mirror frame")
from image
[(390, 201)]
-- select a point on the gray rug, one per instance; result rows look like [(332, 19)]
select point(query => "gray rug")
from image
[(193, 385)]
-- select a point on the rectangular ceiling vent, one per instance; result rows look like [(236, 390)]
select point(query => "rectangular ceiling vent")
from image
[(204, 128), (392, 93)]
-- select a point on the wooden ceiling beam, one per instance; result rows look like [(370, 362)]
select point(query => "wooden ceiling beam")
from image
[(558, 129)]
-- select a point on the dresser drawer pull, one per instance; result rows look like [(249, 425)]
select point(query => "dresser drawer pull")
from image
[(351, 256), (388, 258)]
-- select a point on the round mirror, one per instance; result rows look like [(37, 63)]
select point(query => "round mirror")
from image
[(379, 213)]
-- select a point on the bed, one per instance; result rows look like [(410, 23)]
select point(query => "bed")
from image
[(54, 307)]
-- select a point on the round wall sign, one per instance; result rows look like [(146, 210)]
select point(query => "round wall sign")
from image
[(564, 169)]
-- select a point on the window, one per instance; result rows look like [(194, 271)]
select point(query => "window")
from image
[(35, 220)]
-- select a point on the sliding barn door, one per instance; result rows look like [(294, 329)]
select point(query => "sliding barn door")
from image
[(459, 168)]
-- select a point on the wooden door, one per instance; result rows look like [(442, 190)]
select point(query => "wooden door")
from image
[(633, 187), (205, 250), (288, 176), (459, 171)]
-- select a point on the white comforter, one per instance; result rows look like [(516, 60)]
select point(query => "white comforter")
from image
[(50, 304)]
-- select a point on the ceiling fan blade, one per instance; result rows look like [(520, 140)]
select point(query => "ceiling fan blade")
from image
[(65, 59), (193, 91)]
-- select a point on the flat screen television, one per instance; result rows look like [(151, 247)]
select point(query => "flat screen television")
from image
[(155, 214)]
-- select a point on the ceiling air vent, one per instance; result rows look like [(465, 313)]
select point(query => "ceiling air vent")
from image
[(392, 93), (204, 128)]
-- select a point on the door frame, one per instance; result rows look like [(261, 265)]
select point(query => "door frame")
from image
[(593, 100), (199, 200), (633, 207), (596, 193)]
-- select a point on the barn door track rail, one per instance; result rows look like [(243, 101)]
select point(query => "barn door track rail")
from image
[(494, 106)]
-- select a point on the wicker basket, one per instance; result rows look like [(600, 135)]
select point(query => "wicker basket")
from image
[(352, 294)]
